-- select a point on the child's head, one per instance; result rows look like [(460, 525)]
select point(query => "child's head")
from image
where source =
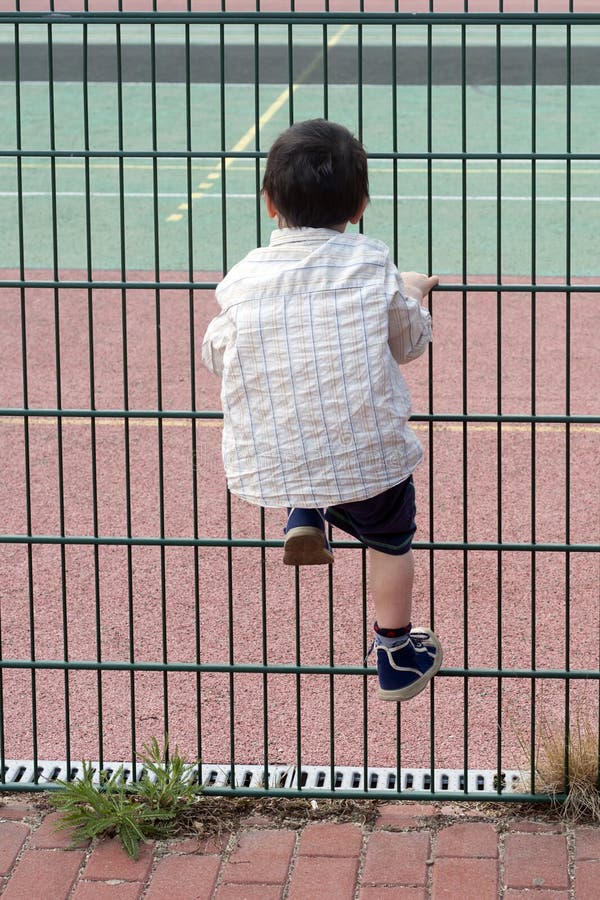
[(316, 175)]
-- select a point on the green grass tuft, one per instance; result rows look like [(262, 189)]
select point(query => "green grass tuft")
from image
[(149, 808)]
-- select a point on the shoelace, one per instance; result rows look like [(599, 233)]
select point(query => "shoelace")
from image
[(416, 642), (369, 651)]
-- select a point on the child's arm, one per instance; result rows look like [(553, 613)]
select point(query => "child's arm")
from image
[(219, 334), (409, 322)]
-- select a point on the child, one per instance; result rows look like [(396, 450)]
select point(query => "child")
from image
[(315, 409)]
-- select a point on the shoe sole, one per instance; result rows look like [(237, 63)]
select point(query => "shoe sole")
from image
[(421, 683), (304, 547)]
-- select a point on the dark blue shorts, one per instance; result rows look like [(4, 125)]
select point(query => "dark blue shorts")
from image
[(385, 522)]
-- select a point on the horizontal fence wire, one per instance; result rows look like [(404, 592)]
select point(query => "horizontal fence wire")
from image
[(359, 18), (139, 597)]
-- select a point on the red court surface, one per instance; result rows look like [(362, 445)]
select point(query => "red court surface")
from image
[(405, 6), (465, 588)]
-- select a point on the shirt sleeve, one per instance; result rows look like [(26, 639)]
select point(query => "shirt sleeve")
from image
[(219, 334), (409, 325)]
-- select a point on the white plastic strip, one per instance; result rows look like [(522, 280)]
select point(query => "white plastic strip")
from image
[(345, 778)]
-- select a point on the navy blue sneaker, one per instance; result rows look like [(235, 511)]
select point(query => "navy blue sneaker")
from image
[(306, 543), (404, 671)]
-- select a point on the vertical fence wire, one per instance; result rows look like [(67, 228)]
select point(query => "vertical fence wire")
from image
[(533, 351), (568, 274), (331, 678), (365, 650), (394, 85), (159, 369), (25, 392), (223, 144), (231, 643), (298, 677), (465, 385), (264, 650), (325, 67), (359, 91), (195, 458), (290, 48), (430, 385), (126, 403), (263, 554), (92, 380), (257, 178), (499, 405), (58, 364)]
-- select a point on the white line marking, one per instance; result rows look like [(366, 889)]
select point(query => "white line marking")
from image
[(148, 195)]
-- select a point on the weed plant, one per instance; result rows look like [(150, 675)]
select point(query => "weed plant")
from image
[(149, 808), (566, 767)]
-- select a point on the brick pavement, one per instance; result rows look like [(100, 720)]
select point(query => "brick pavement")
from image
[(413, 852)]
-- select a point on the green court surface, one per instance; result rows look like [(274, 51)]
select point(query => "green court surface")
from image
[(172, 213), (223, 212)]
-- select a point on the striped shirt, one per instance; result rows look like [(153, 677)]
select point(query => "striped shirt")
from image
[(307, 343)]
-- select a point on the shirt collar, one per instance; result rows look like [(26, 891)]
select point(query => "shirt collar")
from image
[(294, 235)]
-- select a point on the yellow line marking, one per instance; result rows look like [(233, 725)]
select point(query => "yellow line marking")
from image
[(118, 421), (275, 106)]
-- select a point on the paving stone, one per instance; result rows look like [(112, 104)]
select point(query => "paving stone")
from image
[(331, 840), (324, 876), (397, 892), (109, 860), (396, 858), (16, 810), (523, 893), (404, 815), (47, 837), (587, 843), (469, 879), (12, 837), (261, 857), (102, 890), (216, 844), (184, 878), (587, 879), (469, 839), (44, 874), (451, 809), (532, 827), (536, 861), (249, 892)]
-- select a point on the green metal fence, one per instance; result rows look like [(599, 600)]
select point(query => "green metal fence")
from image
[(137, 597)]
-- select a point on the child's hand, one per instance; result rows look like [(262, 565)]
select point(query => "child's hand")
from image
[(417, 284)]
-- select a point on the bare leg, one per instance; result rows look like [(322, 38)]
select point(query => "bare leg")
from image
[(391, 583)]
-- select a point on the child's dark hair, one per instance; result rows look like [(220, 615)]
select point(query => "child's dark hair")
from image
[(316, 174)]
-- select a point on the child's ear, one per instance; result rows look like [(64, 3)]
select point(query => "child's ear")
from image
[(358, 214), (271, 211)]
